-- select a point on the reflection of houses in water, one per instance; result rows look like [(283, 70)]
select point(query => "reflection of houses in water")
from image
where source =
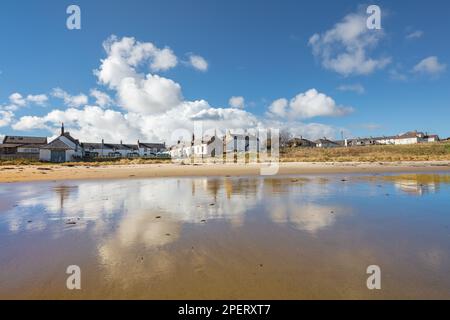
[(243, 187), (182, 200), (416, 188), (63, 193), (418, 183)]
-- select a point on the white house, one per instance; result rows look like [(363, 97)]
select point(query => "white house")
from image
[(432, 138), (411, 137), (123, 150), (236, 142), (64, 148), (325, 143), (110, 150), (149, 149), (180, 150), (96, 150), (385, 140), (207, 147), (22, 147)]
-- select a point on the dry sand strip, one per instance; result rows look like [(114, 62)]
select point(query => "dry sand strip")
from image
[(61, 172)]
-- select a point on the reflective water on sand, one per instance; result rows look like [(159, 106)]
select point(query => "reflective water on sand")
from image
[(235, 237)]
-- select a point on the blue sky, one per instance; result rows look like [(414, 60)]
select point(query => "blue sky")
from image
[(259, 51)]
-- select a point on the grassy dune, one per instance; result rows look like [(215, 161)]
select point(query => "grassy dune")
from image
[(418, 152)]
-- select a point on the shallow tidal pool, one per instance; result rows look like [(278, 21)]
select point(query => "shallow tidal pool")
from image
[(288, 237)]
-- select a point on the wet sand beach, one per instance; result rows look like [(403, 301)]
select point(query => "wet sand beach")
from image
[(72, 171), (285, 237)]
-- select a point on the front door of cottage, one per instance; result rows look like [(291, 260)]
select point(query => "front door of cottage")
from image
[(58, 156)]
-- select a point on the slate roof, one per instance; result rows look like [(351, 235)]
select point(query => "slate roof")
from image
[(119, 146), (24, 140), (57, 145), (325, 141), (9, 145), (68, 136), (411, 134), (152, 145), (93, 145)]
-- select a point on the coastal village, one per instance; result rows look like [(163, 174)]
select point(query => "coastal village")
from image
[(66, 148)]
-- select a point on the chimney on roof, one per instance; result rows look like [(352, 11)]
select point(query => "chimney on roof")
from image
[(120, 141), (62, 128)]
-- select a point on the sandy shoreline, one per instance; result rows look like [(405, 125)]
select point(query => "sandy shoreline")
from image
[(57, 172)]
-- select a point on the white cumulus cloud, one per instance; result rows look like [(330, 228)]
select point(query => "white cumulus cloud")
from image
[(102, 99), (278, 107), (138, 92), (198, 62), (345, 48), (17, 99), (27, 123), (5, 118), (73, 101), (237, 102), (39, 99), (153, 107), (430, 66), (307, 105)]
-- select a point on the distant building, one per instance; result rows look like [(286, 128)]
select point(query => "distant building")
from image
[(214, 146), (360, 142), (150, 149), (432, 138), (120, 150), (411, 137), (62, 149), (240, 142), (180, 150), (96, 150), (15, 147), (300, 142), (110, 150), (208, 147), (325, 143)]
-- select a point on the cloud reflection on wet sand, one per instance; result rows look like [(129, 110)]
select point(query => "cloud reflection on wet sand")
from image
[(242, 237)]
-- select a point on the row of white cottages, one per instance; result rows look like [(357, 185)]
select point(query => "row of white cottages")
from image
[(411, 137), (215, 146), (66, 148)]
